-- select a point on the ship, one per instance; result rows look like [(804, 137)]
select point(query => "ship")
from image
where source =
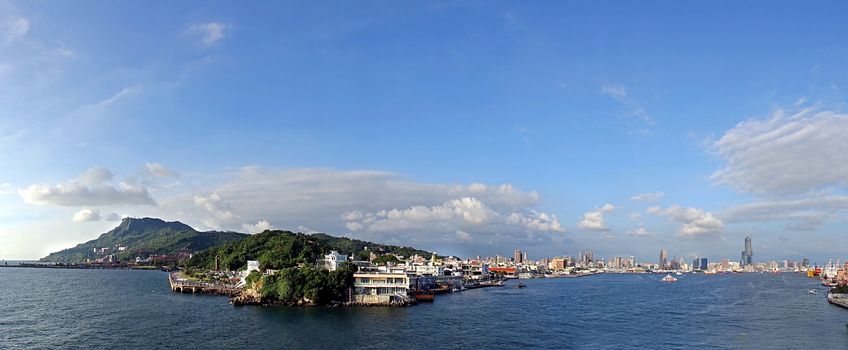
[(669, 278)]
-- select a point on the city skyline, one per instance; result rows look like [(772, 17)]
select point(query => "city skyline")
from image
[(461, 128)]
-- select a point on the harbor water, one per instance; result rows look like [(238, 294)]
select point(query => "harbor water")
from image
[(86, 309)]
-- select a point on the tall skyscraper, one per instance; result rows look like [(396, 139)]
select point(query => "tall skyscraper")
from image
[(516, 258), (748, 253), (703, 264), (663, 258)]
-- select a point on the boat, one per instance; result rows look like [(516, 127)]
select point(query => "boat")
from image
[(812, 291), (425, 295), (520, 285), (678, 273), (669, 278)]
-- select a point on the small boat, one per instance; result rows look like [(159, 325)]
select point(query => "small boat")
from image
[(669, 278), (520, 285), (679, 273), (812, 291)]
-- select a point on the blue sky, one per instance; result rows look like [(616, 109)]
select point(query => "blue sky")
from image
[(464, 127)]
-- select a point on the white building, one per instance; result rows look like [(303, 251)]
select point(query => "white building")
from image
[(380, 287), (252, 265), (333, 260)]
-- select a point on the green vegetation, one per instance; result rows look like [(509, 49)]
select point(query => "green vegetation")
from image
[(308, 284), (284, 249), (842, 289), (143, 237), (386, 258)]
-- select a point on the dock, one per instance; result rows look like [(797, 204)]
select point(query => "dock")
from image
[(181, 285), (838, 299)]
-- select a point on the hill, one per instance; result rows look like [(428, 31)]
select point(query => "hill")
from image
[(142, 237), (281, 249)]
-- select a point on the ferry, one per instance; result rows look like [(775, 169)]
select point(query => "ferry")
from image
[(669, 278)]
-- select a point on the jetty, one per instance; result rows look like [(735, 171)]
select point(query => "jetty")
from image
[(838, 299), (182, 285)]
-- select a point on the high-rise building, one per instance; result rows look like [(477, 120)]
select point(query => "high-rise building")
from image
[(703, 265), (748, 253), (516, 258), (663, 258), (696, 264)]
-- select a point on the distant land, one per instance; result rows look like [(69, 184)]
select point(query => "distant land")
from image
[(145, 237), (142, 237)]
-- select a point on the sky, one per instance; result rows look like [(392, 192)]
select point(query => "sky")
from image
[(463, 127)]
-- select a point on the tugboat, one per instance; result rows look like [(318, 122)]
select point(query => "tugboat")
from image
[(669, 278)]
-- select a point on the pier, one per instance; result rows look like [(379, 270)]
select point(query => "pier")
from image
[(181, 285), (838, 299)]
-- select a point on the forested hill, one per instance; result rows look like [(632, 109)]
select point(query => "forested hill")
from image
[(280, 249), (143, 237)]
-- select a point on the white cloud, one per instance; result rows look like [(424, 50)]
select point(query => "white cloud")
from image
[(209, 33), (695, 222), (86, 215), (6, 189), (648, 197), (463, 236), (12, 26), (594, 220), (159, 170), (785, 154), (371, 205), (94, 187), (632, 107), (635, 216), (219, 210), (259, 226), (804, 214), (639, 232)]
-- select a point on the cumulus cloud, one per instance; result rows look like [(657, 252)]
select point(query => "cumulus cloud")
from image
[(785, 154), (86, 215), (260, 226), (467, 212), (594, 220), (214, 205), (159, 170), (208, 33), (695, 222), (94, 187), (635, 216), (648, 197), (371, 205), (89, 214)]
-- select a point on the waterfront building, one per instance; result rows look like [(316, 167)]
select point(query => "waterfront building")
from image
[(663, 258), (381, 287), (516, 257), (696, 264), (703, 264)]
